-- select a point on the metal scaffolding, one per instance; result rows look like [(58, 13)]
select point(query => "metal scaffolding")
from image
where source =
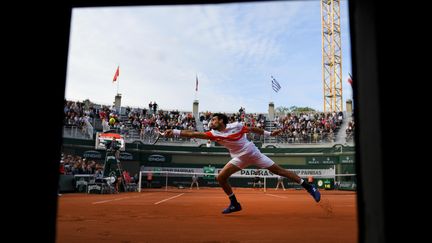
[(331, 55)]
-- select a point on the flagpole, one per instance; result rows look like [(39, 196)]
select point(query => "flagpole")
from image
[(118, 86), (271, 96), (271, 92), (196, 87), (118, 81)]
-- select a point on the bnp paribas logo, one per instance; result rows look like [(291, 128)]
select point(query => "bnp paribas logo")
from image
[(156, 158)]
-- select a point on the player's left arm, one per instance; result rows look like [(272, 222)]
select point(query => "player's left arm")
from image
[(186, 133), (262, 131)]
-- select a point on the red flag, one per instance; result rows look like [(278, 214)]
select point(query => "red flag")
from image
[(117, 73), (196, 85), (350, 79)]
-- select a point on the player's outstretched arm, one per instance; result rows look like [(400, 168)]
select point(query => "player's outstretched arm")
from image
[(262, 131), (185, 133)]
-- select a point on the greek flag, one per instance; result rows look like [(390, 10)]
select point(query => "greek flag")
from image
[(275, 85)]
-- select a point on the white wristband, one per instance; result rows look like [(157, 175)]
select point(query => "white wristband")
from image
[(176, 132), (267, 134)]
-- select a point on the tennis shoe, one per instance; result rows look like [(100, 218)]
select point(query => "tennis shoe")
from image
[(232, 208), (315, 193)]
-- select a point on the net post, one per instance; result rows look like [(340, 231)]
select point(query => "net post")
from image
[(166, 181), (265, 182), (139, 181), (334, 177)]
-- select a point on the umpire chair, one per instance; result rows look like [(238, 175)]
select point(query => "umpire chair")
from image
[(112, 166)]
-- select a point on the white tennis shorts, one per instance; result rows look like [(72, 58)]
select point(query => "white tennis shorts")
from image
[(253, 158)]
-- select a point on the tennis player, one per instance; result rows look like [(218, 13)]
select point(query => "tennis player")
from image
[(243, 153)]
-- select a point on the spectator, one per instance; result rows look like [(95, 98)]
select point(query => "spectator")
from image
[(257, 179), (150, 106), (194, 181), (155, 107), (280, 182), (105, 125), (149, 179), (127, 177), (114, 147), (62, 172), (99, 175)]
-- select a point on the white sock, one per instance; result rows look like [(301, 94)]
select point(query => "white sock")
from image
[(301, 181)]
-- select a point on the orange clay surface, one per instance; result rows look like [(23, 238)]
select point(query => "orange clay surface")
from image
[(184, 215)]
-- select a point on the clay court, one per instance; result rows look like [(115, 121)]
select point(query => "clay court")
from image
[(183, 215)]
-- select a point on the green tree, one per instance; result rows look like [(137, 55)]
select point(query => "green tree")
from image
[(303, 109), (282, 110), (296, 109)]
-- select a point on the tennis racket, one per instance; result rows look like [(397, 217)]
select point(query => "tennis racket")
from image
[(152, 135), (158, 135)]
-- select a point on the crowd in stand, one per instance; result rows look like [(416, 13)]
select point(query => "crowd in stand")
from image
[(305, 127), (72, 165), (76, 165), (310, 127), (79, 115), (142, 121), (350, 131)]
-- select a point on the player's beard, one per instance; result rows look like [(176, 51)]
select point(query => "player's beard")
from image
[(213, 126)]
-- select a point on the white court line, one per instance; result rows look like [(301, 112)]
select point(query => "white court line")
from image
[(275, 195), (169, 198), (120, 198), (110, 200)]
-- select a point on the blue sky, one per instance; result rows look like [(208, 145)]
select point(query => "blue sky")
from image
[(233, 48)]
